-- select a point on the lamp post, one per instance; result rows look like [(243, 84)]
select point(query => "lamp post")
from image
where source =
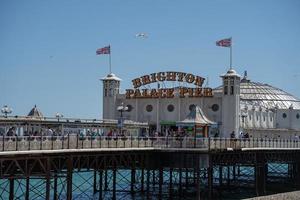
[(6, 110), (58, 116), (121, 109)]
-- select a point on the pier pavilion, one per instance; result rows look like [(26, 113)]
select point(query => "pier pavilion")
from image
[(237, 105)]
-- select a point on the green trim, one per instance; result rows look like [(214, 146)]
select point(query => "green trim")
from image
[(168, 123)]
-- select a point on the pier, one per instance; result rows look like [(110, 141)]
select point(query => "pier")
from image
[(43, 167)]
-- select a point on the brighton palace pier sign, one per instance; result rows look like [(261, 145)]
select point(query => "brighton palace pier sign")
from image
[(196, 91)]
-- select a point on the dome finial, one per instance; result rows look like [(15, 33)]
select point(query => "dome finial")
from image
[(245, 74)]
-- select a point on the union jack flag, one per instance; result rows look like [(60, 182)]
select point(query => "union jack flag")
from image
[(104, 50), (224, 43)]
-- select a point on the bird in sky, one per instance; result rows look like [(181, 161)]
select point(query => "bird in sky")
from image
[(141, 35)]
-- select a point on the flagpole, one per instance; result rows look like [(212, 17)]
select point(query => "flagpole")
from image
[(230, 53), (109, 60)]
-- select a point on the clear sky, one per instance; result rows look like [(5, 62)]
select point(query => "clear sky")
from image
[(47, 48)]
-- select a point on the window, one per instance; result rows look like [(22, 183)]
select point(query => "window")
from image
[(231, 90), (225, 89), (170, 108), (298, 116), (284, 115), (215, 107), (191, 107), (129, 108), (149, 108), (264, 118)]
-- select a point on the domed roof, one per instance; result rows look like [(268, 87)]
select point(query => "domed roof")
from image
[(231, 72), (35, 113), (267, 96), (111, 76), (264, 95)]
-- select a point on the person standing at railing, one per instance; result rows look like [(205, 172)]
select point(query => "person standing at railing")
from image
[(11, 132), (232, 139), (232, 135), (49, 132)]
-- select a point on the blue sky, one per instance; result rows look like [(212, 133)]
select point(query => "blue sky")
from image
[(47, 48)]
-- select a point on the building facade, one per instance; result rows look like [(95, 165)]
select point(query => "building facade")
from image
[(238, 105)]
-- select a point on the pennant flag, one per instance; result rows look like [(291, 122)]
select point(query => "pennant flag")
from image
[(224, 43), (104, 50)]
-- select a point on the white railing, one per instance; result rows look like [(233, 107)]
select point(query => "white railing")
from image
[(27, 143)]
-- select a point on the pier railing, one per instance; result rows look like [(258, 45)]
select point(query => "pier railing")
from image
[(28, 143)]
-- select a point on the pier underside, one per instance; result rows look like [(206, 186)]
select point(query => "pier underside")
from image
[(148, 174)]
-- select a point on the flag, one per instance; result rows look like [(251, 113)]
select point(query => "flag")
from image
[(104, 50), (224, 43)]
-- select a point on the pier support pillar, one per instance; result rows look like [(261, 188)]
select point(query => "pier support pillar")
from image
[(228, 175), (100, 184), (260, 174), (105, 180), (27, 188), (297, 175), (197, 169), (153, 179), (180, 182), (142, 179), (210, 177), (114, 183), (148, 183), (48, 179), (186, 178), (161, 180), (171, 184), (233, 173), (132, 182), (69, 177), (55, 186), (95, 182), (11, 188), (220, 175)]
